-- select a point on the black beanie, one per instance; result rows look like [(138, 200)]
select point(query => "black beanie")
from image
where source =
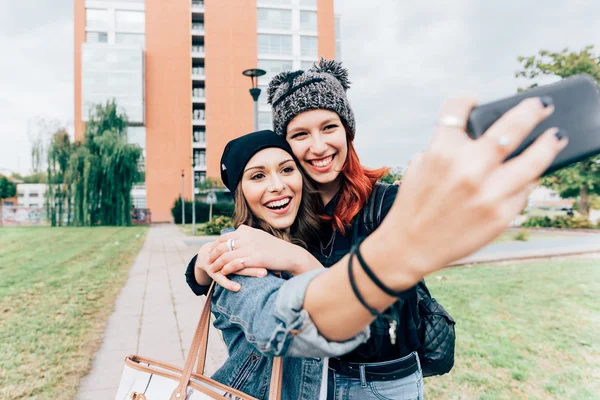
[(239, 151)]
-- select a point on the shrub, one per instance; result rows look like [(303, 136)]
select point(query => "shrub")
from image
[(522, 235), (202, 211), (217, 224), (560, 222)]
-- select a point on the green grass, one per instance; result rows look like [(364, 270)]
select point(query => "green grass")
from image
[(524, 331), (57, 287)]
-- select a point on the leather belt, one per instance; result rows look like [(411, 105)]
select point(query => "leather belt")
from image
[(381, 371)]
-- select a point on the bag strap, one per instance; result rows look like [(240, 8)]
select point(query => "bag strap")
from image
[(198, 351), (371, 215)]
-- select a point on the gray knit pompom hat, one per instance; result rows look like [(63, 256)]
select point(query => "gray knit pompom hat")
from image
[(321, 87)]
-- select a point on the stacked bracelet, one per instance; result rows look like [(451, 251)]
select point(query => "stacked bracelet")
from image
[(373, 277), (356, 250), (373, 311)]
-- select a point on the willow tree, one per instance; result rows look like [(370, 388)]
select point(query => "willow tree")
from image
[(58, 203), (103, 169)]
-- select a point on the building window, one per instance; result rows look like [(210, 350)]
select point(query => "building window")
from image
[(130, 38), (199, 178), (308, 3), (137, 135), (21, 195), (262, 99), (198, 92), (265, 120), (34, 194), (96, 37), (275, 2), (130, 20), (199, 114), (274, 19), (96, 18), (273, 67), (200, 158), (305, 65), (309, 46), (275, 44), (308, 20), (199, 136)]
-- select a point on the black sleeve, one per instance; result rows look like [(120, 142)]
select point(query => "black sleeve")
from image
[(190, 278), (388, 200)]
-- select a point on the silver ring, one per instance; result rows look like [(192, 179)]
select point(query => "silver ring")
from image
[(230, 244), (452, 122), (503, 141)]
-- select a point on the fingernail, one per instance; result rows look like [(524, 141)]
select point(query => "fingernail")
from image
[(261, 273), (546, 101), (560, 135), (236, 286)]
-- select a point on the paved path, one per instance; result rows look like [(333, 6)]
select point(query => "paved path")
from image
[(567, 244), (155, 315)]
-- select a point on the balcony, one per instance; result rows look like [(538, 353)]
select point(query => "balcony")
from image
[(200, 166), (197, 29), (198, 95), (199, 138), (198, 5), (199, 117), (198, 73), (198, 51)]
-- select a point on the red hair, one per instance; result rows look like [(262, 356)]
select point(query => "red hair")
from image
[(356, 187)]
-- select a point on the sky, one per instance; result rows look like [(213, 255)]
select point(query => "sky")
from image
[(404, 59)]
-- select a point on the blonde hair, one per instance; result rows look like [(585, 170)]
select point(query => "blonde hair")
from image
[(305, 226)]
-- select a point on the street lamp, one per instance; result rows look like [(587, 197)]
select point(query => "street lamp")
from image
[(193, 196), (182, 201), (254, 73)]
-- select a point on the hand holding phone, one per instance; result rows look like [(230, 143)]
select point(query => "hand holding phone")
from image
[(577, 112)]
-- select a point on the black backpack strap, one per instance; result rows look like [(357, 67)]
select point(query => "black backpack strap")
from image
[(371, 214)]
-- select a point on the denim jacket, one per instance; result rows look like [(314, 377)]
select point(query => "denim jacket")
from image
[(266, 319)]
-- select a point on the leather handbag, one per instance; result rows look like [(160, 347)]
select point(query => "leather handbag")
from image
[(147, 379), (437, 334)]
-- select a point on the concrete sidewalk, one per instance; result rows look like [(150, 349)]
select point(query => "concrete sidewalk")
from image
[(155, 315)]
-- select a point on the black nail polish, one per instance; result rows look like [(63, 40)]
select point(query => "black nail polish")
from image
[(546, 101), (560, 135)]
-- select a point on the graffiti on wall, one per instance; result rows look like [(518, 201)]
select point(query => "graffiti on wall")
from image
[(23, 216)]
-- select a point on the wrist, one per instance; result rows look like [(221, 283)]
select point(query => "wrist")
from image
[(302, 261), (202, 278), (395, 259)]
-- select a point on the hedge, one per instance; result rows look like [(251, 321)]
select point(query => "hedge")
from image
[(202, 211)]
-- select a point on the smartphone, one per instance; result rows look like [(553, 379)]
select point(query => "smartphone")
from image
[(577, 112)]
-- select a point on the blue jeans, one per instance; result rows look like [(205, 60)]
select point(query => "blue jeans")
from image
[(342, 387)]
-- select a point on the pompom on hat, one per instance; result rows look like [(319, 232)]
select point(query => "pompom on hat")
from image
[(321, 87)]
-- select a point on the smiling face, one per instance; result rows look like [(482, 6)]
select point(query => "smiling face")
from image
[(272, 187), (318, 140)]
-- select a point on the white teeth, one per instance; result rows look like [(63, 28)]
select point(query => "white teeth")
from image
[(278, 203), (322, 163)]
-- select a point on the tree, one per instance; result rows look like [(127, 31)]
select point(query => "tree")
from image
[(394, 175), (58, 195), (103, 169), (7, 190), (583, 178)]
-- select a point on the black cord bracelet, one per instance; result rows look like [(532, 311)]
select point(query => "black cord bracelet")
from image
[(373, 277), (373, 311)]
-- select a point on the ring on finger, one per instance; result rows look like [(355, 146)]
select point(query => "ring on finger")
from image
[(452, 122), (503, 141), (230, 244)]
